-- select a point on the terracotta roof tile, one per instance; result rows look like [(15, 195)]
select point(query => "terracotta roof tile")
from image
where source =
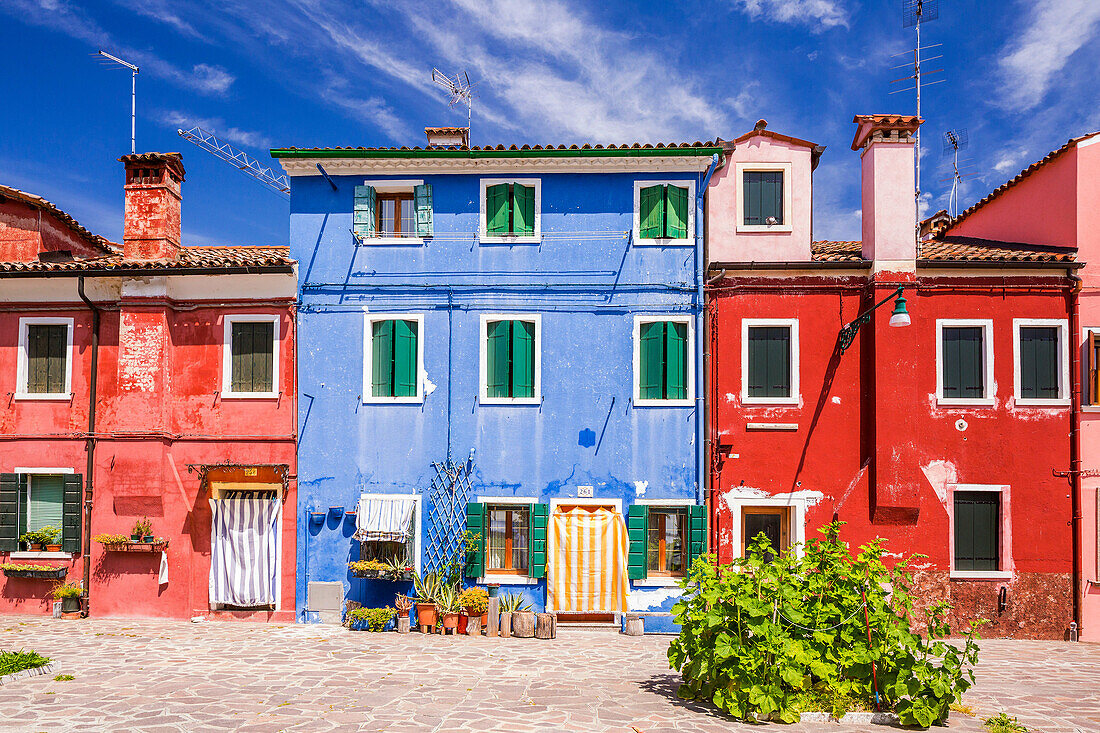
[(207, 258), (476, 148), (840, 251), (37, 202), (970, 249)]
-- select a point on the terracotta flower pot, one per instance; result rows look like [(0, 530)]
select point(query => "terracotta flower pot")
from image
[(426, 614), (36, 547), (450, 620), (53, 548)]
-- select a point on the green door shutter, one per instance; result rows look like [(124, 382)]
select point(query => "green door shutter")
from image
[(536, 540), (382, 359), (651, 359), (404, 358), (9, 512), (697, 532), (72, 513), (497, 358), (475, 550), (524, 209), (977, 530), (523, 359), (496, 209), (422, 196), (779, 361), (651, 212), (364, 218), (637, 517), (1039, 362), (677, 212), (675, 361)]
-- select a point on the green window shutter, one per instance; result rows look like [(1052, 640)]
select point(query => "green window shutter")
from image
[(763, 196), (263, 344), (651, 213), (697, 532), (1039, 362), (45, 506), (677, 212), (769, 362), (475, 552), (651, 357), (753, 185), (382, 359), (498, 358), (536, 540), (496, 209), (46, 346), (404, 358), (963, 375), (675, 361), (252, 357), (637, 518), (72, 512), (9, 512), (422, 197), (977, 530), (241, 375), (524, 209), (365, 218), (523, 359)]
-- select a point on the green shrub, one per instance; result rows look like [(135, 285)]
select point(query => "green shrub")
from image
[(66, 590), (376, 618), (1002, 723), (12, 662), (770, 635)]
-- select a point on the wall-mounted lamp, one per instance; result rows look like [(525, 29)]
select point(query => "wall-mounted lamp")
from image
[(900, 317)]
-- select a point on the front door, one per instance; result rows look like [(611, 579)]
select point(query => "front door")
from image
[(772, 522), (587, 574)]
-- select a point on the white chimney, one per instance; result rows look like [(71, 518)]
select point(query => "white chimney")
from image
[(448, 137)]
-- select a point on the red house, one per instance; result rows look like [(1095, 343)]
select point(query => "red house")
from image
[(940, 435), (147, 380)]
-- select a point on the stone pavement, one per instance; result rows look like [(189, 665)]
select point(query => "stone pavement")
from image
[(153, 675)]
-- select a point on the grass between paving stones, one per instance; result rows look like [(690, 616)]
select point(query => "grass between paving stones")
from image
[(63, 678), (1002, 723), (12, 662)]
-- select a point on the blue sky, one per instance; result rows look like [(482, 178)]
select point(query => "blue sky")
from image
[(1020, 77)]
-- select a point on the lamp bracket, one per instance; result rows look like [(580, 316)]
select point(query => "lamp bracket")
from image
[(848, 333)]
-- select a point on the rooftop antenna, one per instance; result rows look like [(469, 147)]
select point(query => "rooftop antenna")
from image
[(914, 14), (953, 142), (115, 62), (239, 159), (461, 91)]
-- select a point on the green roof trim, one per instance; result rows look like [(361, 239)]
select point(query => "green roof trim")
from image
[(703, 151)]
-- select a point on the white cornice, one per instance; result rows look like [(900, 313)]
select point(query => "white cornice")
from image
[(424, 166)]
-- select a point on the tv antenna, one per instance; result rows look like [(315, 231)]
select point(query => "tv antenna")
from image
[(953, 142), (239, 159), (914, 14), (461, 91), (115, 62)]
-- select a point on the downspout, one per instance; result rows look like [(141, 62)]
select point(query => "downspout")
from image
[(1075, 442), (89, 446), (702, 437)]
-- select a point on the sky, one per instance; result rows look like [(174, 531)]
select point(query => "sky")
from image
[(1019, 76)]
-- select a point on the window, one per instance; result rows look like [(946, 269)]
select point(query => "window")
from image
[(965, 357), (764, 201), (393, 212), (44, 365), (663, 211), (977, 530), (394, 358), (769, 361), (509, 539), (388, 527), (510, 359), (33, 498), (41, 502), (508, 528), (1042, 369), (663, 361), (1092, 376), (511, 210), (665, 536), (773, 522), (666, 547), (251, 356)]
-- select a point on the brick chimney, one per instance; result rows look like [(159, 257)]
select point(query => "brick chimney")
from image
[(448, 137), (889, 203), (151, 229)]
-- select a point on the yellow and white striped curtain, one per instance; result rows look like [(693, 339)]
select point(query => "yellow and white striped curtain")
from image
[(587, 568)]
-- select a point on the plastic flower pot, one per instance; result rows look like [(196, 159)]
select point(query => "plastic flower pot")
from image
[(450, 620), (148, 538), (70, 604), (426, 614), (135, 537)]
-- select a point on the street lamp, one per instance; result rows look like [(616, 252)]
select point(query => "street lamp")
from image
[(899, 317)]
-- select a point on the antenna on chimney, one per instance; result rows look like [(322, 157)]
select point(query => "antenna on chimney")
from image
[(914, 14), (461, 91), (115, 62), (953, 142)]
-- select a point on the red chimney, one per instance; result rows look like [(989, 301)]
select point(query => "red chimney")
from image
[(151, 229)]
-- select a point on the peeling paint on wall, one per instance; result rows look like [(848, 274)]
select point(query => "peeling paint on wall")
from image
[(140, 357), (640, 487), (940, 474), (836, 400), (740, 493), (429, 385), (645, 600)]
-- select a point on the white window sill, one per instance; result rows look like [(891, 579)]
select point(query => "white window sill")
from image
[(419, 400), (981, 575), (510, 401), (28, 555), (250, 395), (43, 396), (664, 403), (508, 580), (663, 242), (1041, 403), (392, 241), (948, 402), (771, 228), (510, 239), (766, 401), (656, 582)]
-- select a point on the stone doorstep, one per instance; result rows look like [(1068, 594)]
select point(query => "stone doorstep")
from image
[(49, 668)]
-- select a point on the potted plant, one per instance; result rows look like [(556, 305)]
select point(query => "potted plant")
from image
[(404, 604), (510, 604), (396, 569), (111, 541), (69, 595), (426, 588), (49, 536), (31, 540), (449, 607), (142, 528), (370, 619), (374, 569), (475, 602)]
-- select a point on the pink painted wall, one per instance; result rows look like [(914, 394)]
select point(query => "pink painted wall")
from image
[(889, 207), (725, 243), (25, 231)]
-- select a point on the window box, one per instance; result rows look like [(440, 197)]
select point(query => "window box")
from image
[(131, 546), (357, 571), (39, 572)]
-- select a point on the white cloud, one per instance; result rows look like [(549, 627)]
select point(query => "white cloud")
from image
[(1055, 31), (818, 14), (211, 79), (244, 138), (161, 11), (1009, 161)]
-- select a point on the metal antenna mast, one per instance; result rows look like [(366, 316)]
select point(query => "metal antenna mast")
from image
[(115, 62), (914, 14), (953, 142), (239, 159), (461, 91)]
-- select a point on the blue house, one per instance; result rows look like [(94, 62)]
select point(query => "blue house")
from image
[(505, 342)]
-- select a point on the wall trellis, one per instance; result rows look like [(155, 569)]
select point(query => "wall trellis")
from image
[(446, 511)]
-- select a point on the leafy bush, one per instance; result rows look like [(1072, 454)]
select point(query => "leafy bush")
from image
[(1002, 723), (376, 618), (767, 634), (12, 662), (48, 535), (66, 590)]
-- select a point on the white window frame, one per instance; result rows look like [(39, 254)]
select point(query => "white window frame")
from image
[(23, 357), (689, 400), (395, 186), (1084, 385), (40, 554), (1004, 532), (418, 521), (227, 355), (482, 229), (796, 505), (663, 581), (503, 578), (636, 237), (368, 358), (990, 397), (795, 396), (1062, 325), (743, 167), (483, 370)]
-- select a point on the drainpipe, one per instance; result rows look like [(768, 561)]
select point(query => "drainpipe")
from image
[(89, 446), (1075, 441), (702, 437)]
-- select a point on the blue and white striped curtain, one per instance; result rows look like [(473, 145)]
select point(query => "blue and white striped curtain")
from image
[(384, 520), (243, 558)]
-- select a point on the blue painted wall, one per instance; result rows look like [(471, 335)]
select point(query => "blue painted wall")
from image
[(587, 280)]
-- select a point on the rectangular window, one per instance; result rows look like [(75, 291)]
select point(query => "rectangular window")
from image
[(41, 502), (394, 363), (508, 533), (396, 215), (772, 522), (962, 365), (769, 361), (662, 360), (47, 353), (977, 530), (763, 198), (663, 212), (252, 346), (510, 359), (1092, 388), (1039, 362), (509, 210), (393, 210), (666, 543)]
